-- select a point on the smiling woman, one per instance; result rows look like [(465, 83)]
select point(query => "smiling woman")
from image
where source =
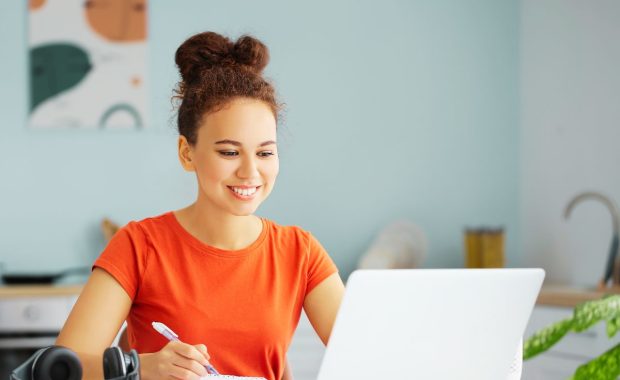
[(214, 272), (234, 157)]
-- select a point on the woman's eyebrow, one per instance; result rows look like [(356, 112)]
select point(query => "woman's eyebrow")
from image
[(237, 143), (231, 142)]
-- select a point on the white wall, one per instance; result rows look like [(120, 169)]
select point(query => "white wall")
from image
[(570, 133)]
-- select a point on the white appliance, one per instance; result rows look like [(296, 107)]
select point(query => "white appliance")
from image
[(28, 323)]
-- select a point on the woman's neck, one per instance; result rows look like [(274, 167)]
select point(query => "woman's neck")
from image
[(218, 229)]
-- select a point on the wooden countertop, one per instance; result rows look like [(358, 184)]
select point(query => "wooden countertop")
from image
[(550, 295), (567, 296), (39, 290)]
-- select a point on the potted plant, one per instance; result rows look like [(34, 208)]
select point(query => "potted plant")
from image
[(585, 315)]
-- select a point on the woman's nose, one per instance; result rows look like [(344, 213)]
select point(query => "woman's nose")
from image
[(248, 168)]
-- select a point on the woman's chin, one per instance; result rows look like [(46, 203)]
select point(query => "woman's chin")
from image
[(243, 211)]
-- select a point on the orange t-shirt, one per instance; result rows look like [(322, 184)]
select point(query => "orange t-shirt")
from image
[(244, 304)]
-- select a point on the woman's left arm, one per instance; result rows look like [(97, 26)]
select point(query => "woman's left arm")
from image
[(322, 303)]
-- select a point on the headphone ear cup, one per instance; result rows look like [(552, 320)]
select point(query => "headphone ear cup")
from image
[(132, 360), (114, 363), (56, 363)]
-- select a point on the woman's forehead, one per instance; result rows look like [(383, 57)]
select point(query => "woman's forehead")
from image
[(248, 125), (244, 133), (241, 112)]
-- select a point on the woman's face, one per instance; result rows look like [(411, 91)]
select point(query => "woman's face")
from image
[(235, 156)]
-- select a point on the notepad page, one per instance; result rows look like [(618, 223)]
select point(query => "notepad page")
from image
[(231, 377)]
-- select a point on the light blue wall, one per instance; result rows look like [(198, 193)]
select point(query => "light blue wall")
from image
[(394, 109)]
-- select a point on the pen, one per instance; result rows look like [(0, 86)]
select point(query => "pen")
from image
[(170, 335)]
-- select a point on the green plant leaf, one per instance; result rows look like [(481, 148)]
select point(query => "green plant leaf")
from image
[(590, 312), (613, 320), (613, 325), (605, 367), (585, 315), (545, 338)]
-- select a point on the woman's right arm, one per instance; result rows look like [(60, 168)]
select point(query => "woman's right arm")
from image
[(94, 321)]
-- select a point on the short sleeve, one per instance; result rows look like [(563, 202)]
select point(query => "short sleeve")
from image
[(125, 257), (320, 265)]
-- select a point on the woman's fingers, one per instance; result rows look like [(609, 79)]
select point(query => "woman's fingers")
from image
[(203, 349), (193, 358), (190, 365), (190, 352), (176, 360)]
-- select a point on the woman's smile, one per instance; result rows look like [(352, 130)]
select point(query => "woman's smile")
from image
[(244, 193)]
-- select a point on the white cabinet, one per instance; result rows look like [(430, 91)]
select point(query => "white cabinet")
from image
[(561, 360), (30, 318), (34, 314)]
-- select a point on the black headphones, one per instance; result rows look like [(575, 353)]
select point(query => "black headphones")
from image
[(120, 365), (60, 363), (50, 363)]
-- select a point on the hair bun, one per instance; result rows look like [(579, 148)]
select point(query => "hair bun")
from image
[(204, 50), (251, 52), (209, 49)]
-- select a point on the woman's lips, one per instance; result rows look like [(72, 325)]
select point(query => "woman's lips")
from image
[(244, 193)]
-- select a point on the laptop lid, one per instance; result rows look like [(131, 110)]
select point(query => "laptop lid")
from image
[(430, 324)]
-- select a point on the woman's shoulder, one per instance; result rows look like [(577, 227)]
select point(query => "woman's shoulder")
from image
[(152, 225), (287, 232)]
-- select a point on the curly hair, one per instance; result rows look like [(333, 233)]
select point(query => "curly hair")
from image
[(214, 71)]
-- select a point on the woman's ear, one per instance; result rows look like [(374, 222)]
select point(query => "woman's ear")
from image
[(186, 154)]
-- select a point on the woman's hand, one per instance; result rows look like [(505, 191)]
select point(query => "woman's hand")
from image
[(177, 360)]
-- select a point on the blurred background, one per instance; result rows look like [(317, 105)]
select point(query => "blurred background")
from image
[(445, 113)]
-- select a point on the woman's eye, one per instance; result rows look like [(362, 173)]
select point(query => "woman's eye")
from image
[(228, 153), (265, 153)]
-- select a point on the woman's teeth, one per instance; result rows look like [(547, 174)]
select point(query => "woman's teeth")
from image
[(245, 192)]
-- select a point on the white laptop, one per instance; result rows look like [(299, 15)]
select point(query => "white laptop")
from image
[(430, 324)]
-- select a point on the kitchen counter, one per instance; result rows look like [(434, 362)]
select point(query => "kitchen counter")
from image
[(566, 296), (7, 291), (550, 295)]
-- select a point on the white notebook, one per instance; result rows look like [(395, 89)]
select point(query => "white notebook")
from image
[(231, 377)]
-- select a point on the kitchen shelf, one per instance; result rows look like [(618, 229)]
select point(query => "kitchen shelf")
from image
[(39, 290), (566, 296)]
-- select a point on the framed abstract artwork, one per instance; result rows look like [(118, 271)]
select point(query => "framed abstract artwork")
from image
[(87, 64)]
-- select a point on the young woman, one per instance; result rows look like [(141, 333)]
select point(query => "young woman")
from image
[(213, 272)]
